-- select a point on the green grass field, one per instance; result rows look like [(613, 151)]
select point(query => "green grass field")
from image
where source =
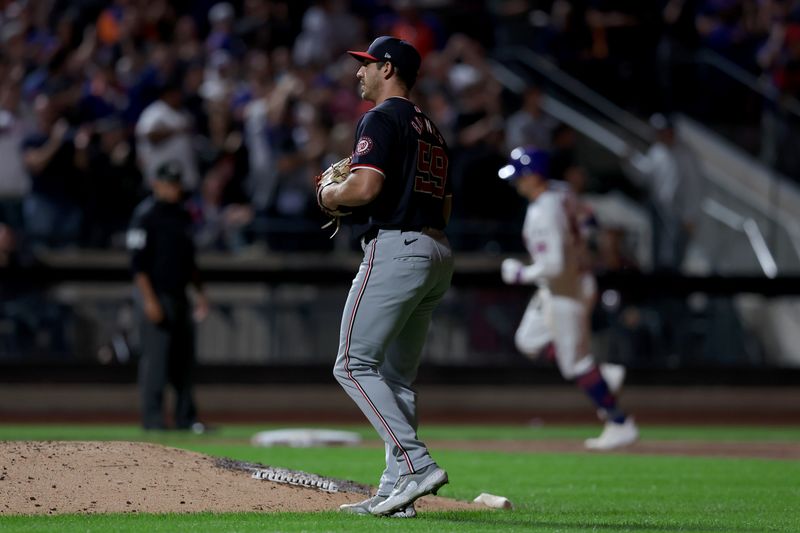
[(551, 491)]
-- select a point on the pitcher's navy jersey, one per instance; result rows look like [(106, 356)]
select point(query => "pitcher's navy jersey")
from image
[(397, 140)]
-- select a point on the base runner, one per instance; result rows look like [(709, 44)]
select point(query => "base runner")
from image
[(557, 320)]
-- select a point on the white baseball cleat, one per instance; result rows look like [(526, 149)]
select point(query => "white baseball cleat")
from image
[(615, 435), (365, 508), (410, 487), (614, 376)]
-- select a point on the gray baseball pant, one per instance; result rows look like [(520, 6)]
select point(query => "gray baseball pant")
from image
[(402, 278)]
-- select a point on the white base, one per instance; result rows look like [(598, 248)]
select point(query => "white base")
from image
[(305, 438)]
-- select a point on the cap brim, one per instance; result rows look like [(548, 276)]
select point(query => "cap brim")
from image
[(362, 56)]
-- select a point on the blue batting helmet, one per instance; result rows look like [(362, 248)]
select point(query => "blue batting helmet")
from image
[(526, 160)]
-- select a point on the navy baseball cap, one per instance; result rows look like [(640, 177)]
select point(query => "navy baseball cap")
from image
[(401, 54), (526, 160)]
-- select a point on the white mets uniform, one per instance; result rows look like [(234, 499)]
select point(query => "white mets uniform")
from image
[(559, 313), (560, 310)]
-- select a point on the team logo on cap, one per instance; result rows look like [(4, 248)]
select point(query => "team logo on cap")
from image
[(364, 145)]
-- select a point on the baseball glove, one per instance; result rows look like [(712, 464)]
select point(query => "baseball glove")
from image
[(336, 173)]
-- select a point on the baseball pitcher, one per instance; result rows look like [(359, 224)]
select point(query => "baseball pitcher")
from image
[(397, 197)]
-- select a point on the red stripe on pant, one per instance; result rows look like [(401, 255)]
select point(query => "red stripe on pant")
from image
[(347, 359)]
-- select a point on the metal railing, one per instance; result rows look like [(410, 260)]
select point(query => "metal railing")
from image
[(628, 127), (750, 228), (569, 85)]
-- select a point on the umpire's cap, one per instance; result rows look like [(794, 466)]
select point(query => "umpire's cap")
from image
[(170, 172), (526, 160), (401, 54)]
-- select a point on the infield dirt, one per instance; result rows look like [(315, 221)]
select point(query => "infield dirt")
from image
[(133, 477), (57, 477)]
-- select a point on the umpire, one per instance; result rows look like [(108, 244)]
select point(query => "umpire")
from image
[(163, 264)]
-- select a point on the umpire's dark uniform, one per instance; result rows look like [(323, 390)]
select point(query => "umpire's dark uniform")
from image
[(163, 264)]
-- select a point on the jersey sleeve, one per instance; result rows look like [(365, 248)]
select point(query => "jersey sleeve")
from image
[(374, 140), (545, 241), (147, 122), (139, 243)]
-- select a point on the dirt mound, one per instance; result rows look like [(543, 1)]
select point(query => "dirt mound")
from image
[(130, 477)]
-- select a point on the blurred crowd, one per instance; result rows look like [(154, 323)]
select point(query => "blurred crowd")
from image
[(255, 97), (607, 41), (643, 55)]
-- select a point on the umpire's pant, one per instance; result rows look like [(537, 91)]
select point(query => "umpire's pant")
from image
[(167, 357)]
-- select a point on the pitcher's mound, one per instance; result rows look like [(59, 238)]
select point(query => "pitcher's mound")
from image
[(130, 477)]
